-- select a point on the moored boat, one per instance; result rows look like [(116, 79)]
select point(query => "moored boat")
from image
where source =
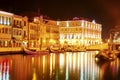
[(35, 52), (105, 56), (56, 49)]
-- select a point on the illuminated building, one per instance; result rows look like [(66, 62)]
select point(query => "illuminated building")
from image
[(18, 33), (114, 40), (5, 29), (52, 32), (12, 28), (37, 34), (33, 35), (42, 33), (79, 32)]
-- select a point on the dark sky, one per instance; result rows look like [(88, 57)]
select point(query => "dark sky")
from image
[(105, 12)]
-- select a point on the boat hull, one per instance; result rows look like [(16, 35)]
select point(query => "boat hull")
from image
[(30, 52)]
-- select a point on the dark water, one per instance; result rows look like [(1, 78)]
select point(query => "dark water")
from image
[(64, 66)]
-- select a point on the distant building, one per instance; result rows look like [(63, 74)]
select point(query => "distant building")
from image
[(114, 40), (79, 32)]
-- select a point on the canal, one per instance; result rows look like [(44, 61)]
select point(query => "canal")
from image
[(63, 66)]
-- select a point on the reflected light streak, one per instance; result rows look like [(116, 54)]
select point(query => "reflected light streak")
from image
[(70, 60), (61, 60), (86, 67), (54, 61), (74, 62), (34, 74), (43, 64), (4, 70), (81, 74), (93, 70), (78, 61), (88, 60), (33, 59), (67, 74), (51, 65)]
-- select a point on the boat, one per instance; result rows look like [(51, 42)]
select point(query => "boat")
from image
[(56, 49), (35, 52), (105, 55)]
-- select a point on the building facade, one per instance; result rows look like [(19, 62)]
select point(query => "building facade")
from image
[(6, 20), (42, 33), (79, 33), (12, 28), (52, 33)]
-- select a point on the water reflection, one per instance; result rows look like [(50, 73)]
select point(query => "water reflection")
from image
[(4, 69), (67, 66)]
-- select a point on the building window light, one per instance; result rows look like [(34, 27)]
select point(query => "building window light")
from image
[(82, 23), (60, 36), (8, 22), (58, 22), (4, 20), (93, 21), (1, 19), (67, 23)]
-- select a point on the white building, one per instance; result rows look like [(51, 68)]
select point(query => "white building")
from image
[(79, 32)]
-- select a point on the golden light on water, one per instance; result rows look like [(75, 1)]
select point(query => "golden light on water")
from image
[(51, 67), (43, 64), (73, 65), (62, 60), (34, 74), (74, 61)]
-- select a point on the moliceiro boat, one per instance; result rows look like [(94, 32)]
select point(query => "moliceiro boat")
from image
[(106, 55), (55, 49), (35, 52)]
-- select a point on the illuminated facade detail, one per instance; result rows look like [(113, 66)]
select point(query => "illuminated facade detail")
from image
[(52, 33), (42, 33), (67, 23), (17, 29), (57, 22), (37, 29), (5, 29), (80, 32), (33, 35)]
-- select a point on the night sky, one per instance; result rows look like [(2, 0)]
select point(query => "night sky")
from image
[(105, 12)]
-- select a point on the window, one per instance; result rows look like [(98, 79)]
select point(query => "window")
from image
[(9, 23), (24, 23), (0, 30), (14, 22), (2, 19), (20, 23), (6, 30), (9, 31), (17, 22)]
